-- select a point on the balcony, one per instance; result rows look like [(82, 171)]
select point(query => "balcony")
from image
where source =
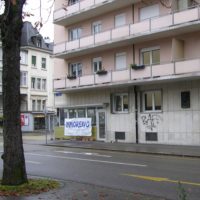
[(163, 72), (87, 9), (162, 26)]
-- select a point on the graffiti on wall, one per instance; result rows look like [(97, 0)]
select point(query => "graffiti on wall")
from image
[(151, 121)]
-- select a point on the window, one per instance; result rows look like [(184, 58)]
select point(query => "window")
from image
[(185, 99), (39, 104), (0, 77), (33, 105), (38, 42), (43, 63), (91, 113), (33, 83), (150, 56), (149, 12), (81, 113), (33, 61), (120, 61), (72, 2), (96, 27), (24, 57), (183, 4), (38, 83), (152, 101), (75, 69), (97, 64), (74, 34), (120, 103), (120, 20), (44, 84), (43, 104), (72, 113), (23, 78), (1, 54), (63, 114)]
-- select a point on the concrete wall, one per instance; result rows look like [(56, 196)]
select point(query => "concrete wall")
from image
[(125, 121), (174, 124)]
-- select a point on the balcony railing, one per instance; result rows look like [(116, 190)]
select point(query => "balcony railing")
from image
[(166, 70), (129, 31), (77, 7)]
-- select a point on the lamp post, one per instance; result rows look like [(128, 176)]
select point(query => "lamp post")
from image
[(45, 115)]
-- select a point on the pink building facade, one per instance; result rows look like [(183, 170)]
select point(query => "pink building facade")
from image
[(132, 66)]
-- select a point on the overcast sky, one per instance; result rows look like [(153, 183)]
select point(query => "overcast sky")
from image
[(33, 6)]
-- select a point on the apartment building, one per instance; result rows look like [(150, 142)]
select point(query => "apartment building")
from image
[(36, 67), (133, 66)]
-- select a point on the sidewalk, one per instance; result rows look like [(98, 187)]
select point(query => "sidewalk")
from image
[(157, 149), (174, 150), (71, 190)]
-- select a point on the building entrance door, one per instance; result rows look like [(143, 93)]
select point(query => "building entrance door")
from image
[(101, 125)]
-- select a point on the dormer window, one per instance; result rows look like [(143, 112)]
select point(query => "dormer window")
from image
[(38, 42)]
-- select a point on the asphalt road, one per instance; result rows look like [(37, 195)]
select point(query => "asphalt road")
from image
[(147, 174)]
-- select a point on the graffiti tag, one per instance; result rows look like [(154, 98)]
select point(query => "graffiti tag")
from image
[(151, 121)]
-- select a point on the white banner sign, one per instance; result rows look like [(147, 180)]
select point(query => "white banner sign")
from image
[(78, 127)]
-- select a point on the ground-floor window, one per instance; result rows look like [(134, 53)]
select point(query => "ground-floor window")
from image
[(185, 99), (78, 113), (152, 101), (120, 103), (39, 122)]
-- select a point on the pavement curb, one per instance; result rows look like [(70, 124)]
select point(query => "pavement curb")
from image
[(126, 151)]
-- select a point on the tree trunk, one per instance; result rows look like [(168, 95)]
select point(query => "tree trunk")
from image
[(14, 170)]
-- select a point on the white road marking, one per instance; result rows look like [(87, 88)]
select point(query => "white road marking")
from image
[(88, 160), (84, 153), (33, 162)]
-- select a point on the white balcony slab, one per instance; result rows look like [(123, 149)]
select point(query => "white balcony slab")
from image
[(122, 75), (102, 37), (99, 1), (186, 16), (87, 80), (188, 66), (141, 73), (120, 32), (72, 45), (58, 48), (163, 70), (161, 22), (86, 41), (72, 83), (73, 8), (106, 78), (140, 28), (59, 84), (59, 14), (86, 4)]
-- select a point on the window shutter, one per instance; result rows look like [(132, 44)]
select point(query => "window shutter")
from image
[(120, 61), (149, 11), (120, 20)]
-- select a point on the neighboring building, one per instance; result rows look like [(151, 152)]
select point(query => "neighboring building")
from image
[(36, 68), (133, 66)]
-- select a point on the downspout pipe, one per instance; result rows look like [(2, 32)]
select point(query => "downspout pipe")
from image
[(136, 114)]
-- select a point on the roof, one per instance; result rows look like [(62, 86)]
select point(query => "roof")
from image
[(30, 37)]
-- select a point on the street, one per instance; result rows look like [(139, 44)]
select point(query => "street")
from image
[(147, 174)]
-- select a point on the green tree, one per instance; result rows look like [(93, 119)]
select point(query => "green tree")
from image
[(14, 170)]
